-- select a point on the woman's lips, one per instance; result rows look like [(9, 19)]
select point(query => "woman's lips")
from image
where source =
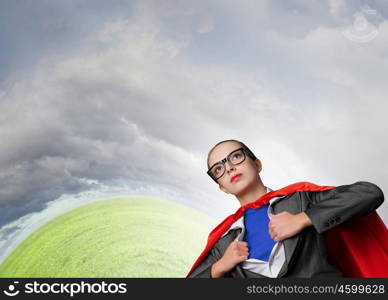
[(235, 177)]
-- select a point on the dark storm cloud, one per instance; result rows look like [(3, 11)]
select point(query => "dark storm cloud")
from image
[(119, 97), (79, 120)]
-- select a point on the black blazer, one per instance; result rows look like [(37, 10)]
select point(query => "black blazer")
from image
[(306, 253)]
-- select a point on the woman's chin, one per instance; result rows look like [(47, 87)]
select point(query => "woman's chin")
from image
[(240, 189)]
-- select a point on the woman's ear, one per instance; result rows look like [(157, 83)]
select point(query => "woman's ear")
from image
[(258, 165)]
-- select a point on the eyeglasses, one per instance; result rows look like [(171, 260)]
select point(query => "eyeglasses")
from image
[(236, 157)]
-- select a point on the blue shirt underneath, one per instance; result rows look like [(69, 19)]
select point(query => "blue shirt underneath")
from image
[(256, 235)]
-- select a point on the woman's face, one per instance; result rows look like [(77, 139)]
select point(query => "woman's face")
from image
[(247, 170)]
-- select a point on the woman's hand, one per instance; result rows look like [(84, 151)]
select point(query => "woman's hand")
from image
[(284, 225), (236, 252)]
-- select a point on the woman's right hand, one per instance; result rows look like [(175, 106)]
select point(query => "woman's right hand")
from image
[(236, 252)]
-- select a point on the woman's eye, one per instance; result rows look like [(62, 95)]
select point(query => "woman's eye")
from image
[(236, 156), (217, 170)]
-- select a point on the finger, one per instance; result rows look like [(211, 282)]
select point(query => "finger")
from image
[(274, 217), (234, 243), (281, 213), (271, 224), (243, 257), (271, 232), (242, 251), (281, 237), (242, 243), (242, 246)]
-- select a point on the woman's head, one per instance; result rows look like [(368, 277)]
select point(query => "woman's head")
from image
[(225, 161)]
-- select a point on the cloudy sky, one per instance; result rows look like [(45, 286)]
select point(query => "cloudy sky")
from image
[(103, 98)]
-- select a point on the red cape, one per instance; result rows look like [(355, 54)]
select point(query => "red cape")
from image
[(358, 247)]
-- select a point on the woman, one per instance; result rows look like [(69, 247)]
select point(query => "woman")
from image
[(280, 235)]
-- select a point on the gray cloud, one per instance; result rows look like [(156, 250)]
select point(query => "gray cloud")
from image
[(143, 96), (30, 30)]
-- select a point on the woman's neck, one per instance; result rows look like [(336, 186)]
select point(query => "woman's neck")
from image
[(253, 194)]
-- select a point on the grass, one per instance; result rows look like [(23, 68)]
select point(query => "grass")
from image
[(120, 237)]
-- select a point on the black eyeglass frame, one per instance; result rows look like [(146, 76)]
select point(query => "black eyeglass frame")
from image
[(224, 160)]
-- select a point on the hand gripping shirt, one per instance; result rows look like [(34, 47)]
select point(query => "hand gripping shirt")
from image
[(268, 258)]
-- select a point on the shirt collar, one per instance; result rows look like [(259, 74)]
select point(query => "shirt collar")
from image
[(240, 222)]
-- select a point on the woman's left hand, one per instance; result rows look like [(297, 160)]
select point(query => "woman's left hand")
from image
[(284, 225)]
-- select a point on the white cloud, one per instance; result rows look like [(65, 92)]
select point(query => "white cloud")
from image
[(337, 7), (206, 25), (133, 109)]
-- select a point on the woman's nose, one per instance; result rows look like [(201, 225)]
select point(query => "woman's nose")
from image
[(230, 167)]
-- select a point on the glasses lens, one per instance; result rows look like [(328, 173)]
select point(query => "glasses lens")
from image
[(237, 157), (218, 170)]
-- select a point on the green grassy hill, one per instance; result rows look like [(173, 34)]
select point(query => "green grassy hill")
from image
[(120, 237)]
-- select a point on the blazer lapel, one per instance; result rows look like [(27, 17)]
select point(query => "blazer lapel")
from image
[(287, 204)]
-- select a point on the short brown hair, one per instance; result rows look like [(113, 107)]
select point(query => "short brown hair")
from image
[(250, 153)]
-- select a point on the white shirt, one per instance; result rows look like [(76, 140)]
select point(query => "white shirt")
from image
[(270, 268)]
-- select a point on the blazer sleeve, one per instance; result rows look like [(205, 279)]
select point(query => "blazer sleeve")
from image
[(333, 207), (203, 270)]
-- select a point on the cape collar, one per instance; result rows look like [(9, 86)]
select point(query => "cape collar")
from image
[(239, 223), (217, 232)]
